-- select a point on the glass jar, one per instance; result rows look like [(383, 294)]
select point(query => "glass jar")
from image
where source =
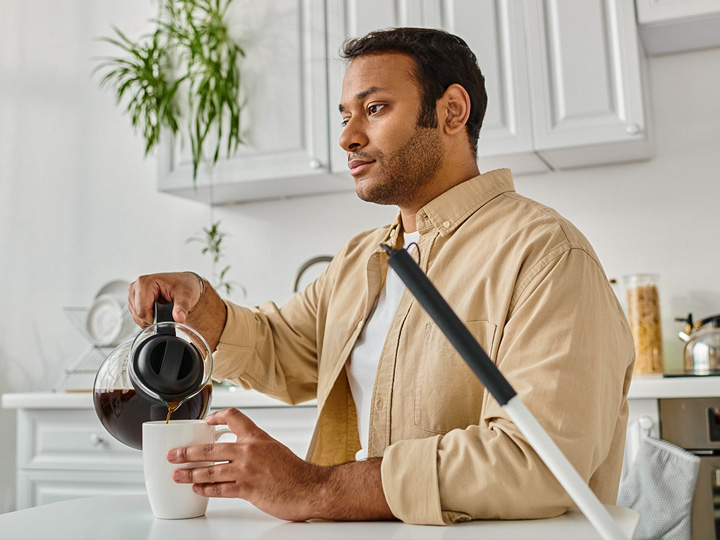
[(643, 311)]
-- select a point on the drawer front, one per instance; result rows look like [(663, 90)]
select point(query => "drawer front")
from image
[(72, 439), (43, 487)]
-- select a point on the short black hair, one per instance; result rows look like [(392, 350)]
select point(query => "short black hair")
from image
[(442, 59)]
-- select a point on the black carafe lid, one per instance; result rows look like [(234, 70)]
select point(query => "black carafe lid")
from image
[(164, 367)]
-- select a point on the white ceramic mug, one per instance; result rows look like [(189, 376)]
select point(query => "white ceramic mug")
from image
[(168, 499)]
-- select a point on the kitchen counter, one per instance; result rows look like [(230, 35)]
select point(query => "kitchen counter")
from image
[(659, 387), (642, 387), (222, 397), (128, 516)]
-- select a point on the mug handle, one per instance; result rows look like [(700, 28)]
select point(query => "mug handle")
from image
[(222, 431)]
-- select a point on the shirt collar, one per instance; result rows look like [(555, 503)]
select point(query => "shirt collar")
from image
[(393, 232), (447, 211)]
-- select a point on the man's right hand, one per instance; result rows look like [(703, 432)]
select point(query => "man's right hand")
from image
[(205, 312)]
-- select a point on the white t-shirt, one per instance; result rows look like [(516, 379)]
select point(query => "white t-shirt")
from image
[(365, 356)]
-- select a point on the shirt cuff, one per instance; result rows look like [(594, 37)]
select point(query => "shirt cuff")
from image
[(235, 345), (410, 482)]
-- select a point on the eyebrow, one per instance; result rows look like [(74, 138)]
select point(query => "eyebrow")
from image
[(362, 95)]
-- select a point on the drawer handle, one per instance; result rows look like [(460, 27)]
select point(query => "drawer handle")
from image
[(96, 439)]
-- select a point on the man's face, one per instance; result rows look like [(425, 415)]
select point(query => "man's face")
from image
[(391, 158)]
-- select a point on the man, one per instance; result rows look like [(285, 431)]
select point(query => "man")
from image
[(404, 429)]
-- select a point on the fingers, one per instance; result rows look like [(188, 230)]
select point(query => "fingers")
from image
[(214, 474), (201, 452), (214, 481), (141, 300), (225, 489), (238, 423), (181, 288)]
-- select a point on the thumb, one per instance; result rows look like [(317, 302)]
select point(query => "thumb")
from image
[(182, 304), (179, 313)]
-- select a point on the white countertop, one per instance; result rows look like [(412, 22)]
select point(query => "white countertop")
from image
[(642, 387), (221, 398), (122, 517), (657, 386)]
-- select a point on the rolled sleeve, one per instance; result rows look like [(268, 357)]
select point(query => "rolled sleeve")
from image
[(410, 483)]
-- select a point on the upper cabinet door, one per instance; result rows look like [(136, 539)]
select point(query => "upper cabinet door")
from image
[(584, 63), (284, 121), (494, 31)]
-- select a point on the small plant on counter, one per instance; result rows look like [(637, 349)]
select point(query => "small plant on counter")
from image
[(212, 240), (191, 54)]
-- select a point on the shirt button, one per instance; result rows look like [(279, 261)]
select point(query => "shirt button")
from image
[(446, 224), (359, 325), (379, 404)]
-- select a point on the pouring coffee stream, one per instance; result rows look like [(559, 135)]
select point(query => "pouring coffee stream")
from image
[(164, 371)]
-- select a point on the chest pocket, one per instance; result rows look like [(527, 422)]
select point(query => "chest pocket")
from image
[(448, 395)]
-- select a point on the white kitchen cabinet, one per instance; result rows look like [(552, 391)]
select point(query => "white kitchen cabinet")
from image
[(284, 124), (35, 488), (64, 452), (563, 79), (495, 31), (670, 26), (585, 74)]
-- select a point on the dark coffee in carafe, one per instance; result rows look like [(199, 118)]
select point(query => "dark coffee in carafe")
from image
[(123, 412)]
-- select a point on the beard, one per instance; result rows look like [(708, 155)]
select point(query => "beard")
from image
[(405, 172)]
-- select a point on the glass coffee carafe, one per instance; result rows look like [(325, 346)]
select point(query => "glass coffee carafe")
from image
[(162, 373)]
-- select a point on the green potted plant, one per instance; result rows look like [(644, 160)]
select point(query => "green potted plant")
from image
[(184, 73)]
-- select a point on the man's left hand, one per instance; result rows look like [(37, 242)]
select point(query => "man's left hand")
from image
[(256, 467)]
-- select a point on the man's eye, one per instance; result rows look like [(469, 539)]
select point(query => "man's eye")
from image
[(372, 109), (344, 122)]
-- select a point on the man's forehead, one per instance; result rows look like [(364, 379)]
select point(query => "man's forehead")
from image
[(379, 65), (383, 72)]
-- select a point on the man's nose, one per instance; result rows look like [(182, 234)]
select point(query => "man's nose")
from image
[(353, 137)]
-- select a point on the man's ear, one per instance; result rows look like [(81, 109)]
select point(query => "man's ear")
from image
[(454, 109)]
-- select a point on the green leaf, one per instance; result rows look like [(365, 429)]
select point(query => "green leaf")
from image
[(189, 50)]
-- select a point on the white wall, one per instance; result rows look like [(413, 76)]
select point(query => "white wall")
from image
[(78, 206)]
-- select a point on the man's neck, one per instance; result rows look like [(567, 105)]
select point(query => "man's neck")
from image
[(409, 212)]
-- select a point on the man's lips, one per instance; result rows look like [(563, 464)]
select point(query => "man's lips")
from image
[(358, 165)]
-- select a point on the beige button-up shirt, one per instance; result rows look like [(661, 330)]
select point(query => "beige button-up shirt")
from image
[(529, 287)]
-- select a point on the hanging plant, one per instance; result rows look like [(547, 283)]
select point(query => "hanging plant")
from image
[(190, 53)]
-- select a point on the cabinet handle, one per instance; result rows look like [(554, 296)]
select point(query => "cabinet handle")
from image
[(315, 164), (96, 439)]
